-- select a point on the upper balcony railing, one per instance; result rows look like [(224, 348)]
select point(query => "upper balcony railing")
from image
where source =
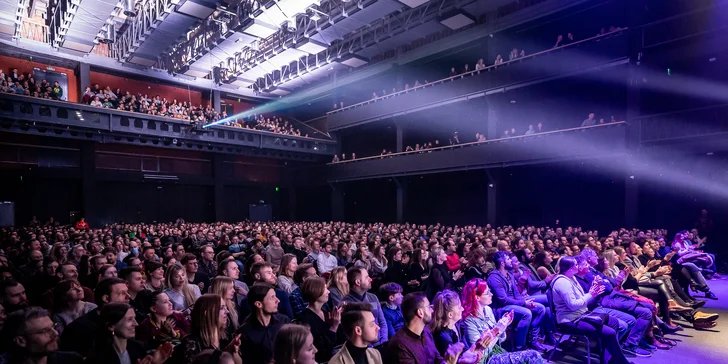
[(563, 60), (591, 141), (33, 30), (119, 124)]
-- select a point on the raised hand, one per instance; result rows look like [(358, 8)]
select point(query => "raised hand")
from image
[(334, 318), (146, 360), (234, 345), (163, 353), (457, 275), (168, 327), (453, 352)]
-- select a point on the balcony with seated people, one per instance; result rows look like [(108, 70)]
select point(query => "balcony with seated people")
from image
[(565, 59), (608, 139), (161, 105), (50, 117)]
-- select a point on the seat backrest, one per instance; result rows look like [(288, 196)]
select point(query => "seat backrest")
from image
[(550, 298)]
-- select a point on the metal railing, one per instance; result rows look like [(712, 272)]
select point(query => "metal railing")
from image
[(34, 31), (478, 71), (462, 145)]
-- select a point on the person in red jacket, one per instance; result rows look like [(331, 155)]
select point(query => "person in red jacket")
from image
[(82, 224), (453, 260)]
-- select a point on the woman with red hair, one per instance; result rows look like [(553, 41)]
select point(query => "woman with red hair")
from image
[(480, 328)]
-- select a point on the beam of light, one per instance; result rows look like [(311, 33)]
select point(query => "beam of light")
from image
[(671, 168)]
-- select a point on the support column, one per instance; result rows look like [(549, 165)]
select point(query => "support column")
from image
[(491, 118), (83, 75), (635, 13), (337, 202), (631, 200), (292, 203), (492, 208), (88, 184), (401, 198), (400, 137), (216, 102), (219, 187)]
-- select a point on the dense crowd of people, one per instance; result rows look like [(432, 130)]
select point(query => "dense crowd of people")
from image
[(94, 95), (25, 84), (480, 65), (304, 292)]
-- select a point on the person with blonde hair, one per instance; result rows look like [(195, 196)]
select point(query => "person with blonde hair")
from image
[(224, 287), (294, 344), (447, 311), (208, 321), (182, 293), (338, 286)]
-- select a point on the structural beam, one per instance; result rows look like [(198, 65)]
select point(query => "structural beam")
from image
[(88, 183), (492, 195), (83, 74), (401, 199), (219, 188)]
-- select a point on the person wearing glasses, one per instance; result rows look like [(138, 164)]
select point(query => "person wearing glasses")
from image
[(31, 337)]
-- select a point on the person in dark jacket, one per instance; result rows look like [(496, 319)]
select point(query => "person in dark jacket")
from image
[(29, 336), (260, 327), (323, 321), (80, 335), (529, 314), (440, 276), (116, 344)]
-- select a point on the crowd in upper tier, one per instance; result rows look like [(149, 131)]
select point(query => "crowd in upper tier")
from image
[(158, 105), (305, 292), (513, 55), (455, 139)]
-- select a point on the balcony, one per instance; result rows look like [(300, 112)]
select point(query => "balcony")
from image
[(62, 119), (597, 52), (584, 142)]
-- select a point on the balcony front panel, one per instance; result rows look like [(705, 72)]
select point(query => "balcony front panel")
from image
[(596, 141), (86, 118)]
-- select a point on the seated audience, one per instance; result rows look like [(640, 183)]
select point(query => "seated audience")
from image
[(294, 345), (323, 321), (261, 326), (30, 337), (162, 324), (361, 331), (359, 285), (392, 300), (571, 305)]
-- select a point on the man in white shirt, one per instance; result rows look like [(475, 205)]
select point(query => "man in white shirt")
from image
[(326, 262)]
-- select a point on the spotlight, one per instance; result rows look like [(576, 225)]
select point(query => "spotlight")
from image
[(130, 8), (290, 25)]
